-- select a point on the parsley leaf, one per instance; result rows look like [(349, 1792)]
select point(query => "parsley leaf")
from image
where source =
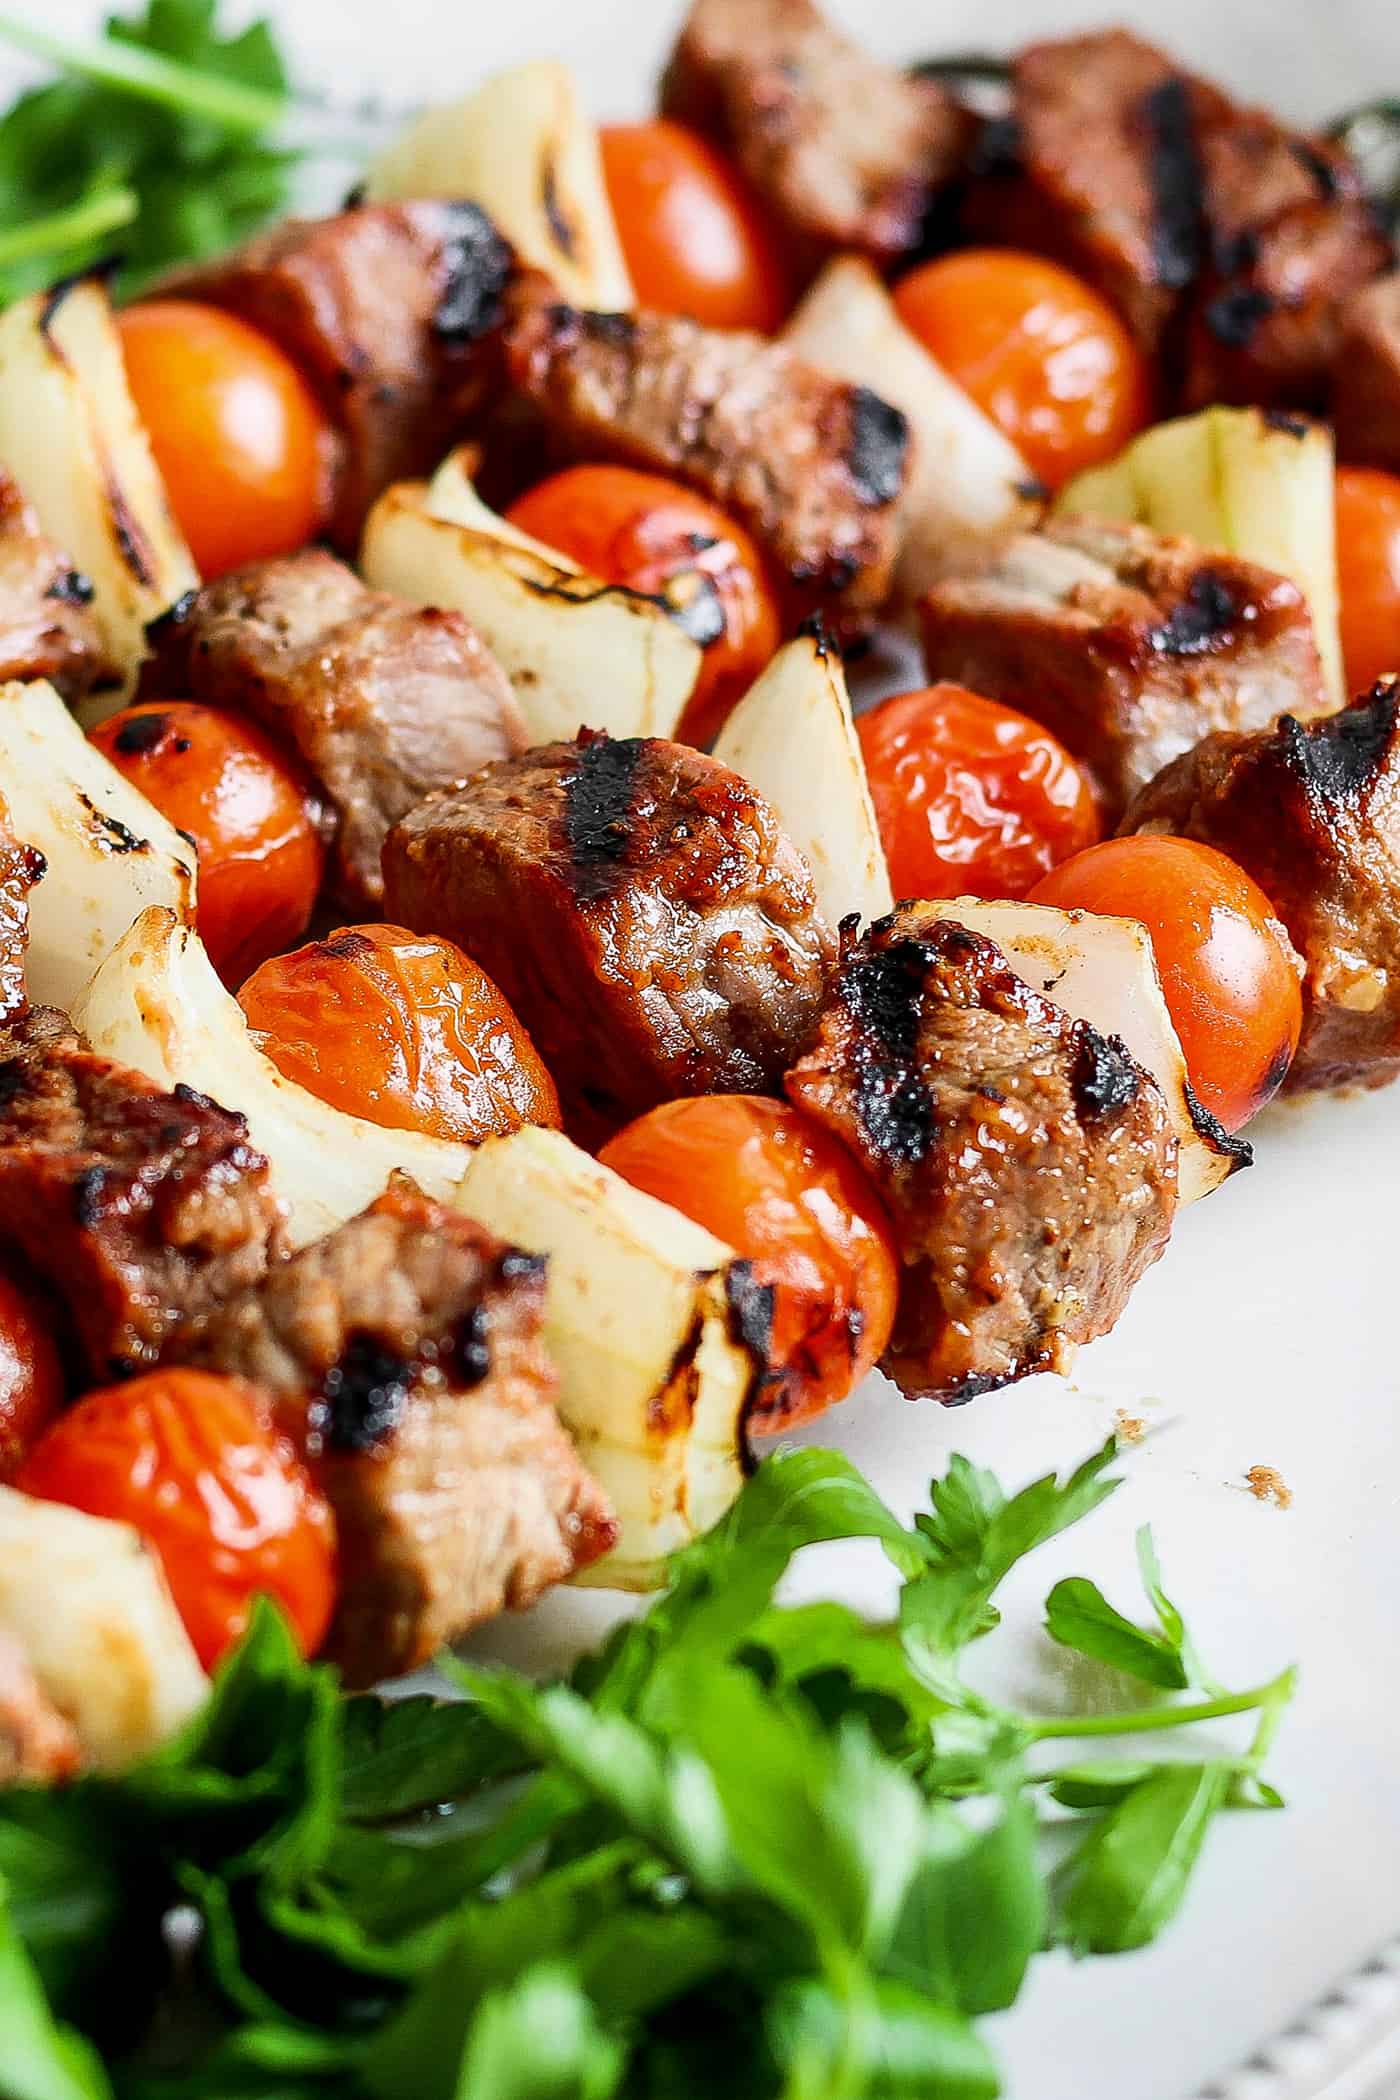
[(1126, 1881), (1079, 1616)]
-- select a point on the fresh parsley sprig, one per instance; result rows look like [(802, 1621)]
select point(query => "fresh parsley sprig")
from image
[(731, 1852)]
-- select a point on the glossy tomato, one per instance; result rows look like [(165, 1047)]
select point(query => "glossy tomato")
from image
[(31, 1374), (1228, 970), (653, 535), (1368, 570), (763, 1177), (694, 235), (401, 1029), (239, 439), (194, 1462), (971, 798), (1048, 360), (246, 807)]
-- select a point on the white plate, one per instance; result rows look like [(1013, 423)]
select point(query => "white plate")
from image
[(1265, 1336)]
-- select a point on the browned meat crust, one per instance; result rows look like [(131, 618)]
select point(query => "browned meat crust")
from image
[(404, 1356), (37, 1744), (1366, 377), (814, 467), (1128, 645), (845, 152), (1184, 208), (46, 626), (383, 700), (141, 1209), (389, 311), (639, 907), (1028, 1164), (21, 867), (1312, 812)]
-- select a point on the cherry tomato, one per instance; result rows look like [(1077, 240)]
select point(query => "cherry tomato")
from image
[(1046, 358), (653, 535), (1228, 970), (251, 816), (31, 1374), (972, 799), (694, 236), (401, 1029), (239, 439), (1368, 568), (762, 1176), (194, 1462)]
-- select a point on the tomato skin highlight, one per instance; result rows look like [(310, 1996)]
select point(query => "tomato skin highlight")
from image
[(1368, 566), (972, 798), (237, 434), (1229, 973), (1038, 350), (245, 804), (693, 234), (655, 536), (193, 1461), (32, 1385), (766, 1179), (403, 1030)]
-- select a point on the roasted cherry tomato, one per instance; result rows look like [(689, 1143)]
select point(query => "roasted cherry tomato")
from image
[(971, 798), (402, 1029), (655, 536), (763, 1177), (251, 816), (694, 236), (239, 439), (31, 1375), (1037, 349), (1227, 966), (194, 1462), (1368, 568)]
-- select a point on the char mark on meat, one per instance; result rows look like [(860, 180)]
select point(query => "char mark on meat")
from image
[(879, 990), (598, 809), (1105, 1078), (1178, 204), (1201, 619), (878, 453), (1339, 758), (476, 268)]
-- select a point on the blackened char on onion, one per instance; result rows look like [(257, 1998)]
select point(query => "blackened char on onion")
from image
[(403, 1355), (640, 908), (845, 152), (1027, 1163), (1127, 644), (1312, 812), (382, 700), (813, 466)]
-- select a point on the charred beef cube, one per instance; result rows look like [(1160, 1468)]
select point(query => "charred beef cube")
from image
[(1292, 237), (383, 701), (1366, 377), (1128, 645), (38, 1745), (140, 1209), (1103, 171), (639, 907), (20, 868), (1027, 1163), (46, 625), (389, 310), (403, 1355), (845, 152), (1312, 812), (813, 466)]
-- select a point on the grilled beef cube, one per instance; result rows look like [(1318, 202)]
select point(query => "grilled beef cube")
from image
[(1312, 812), (1292, 237), (1366, 377), (38, 1745), (140, 1209), (20, 868), (403, 1354), (813, 466), (46, 625), (845, 152), (382, 700), (1027, 1163), (389, 310), (1128, 645), (639, 907)]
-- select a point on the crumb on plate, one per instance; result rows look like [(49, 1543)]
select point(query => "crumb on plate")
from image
[(1268, 1485)]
